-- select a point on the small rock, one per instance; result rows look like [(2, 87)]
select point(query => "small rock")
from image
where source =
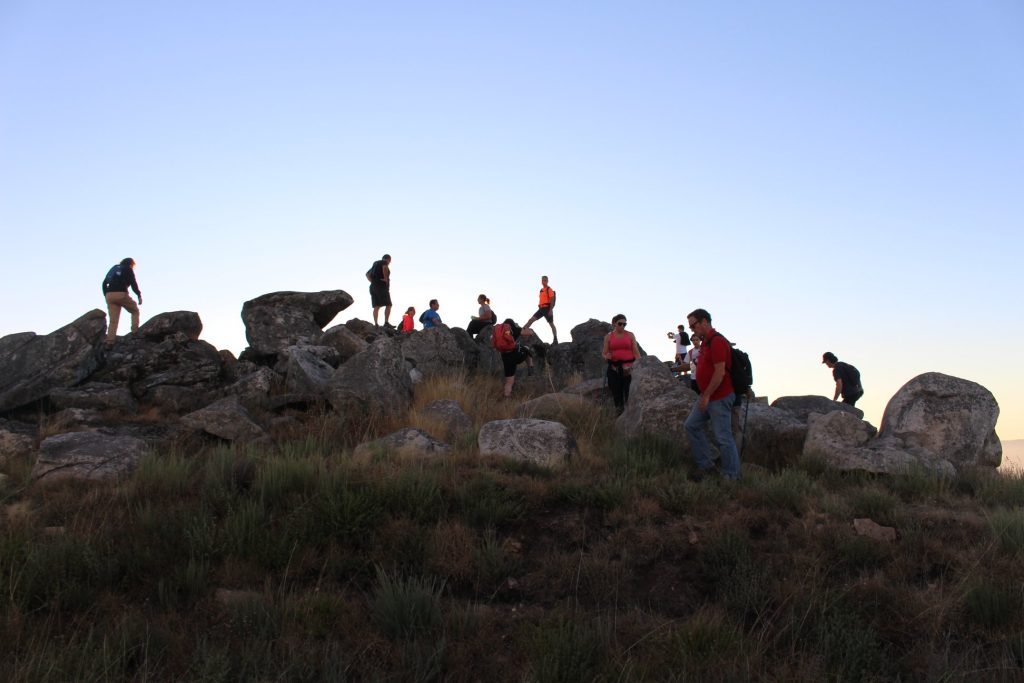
[(867, 527)]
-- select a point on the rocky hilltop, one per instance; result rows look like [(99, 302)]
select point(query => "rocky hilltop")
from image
[(88, 409)]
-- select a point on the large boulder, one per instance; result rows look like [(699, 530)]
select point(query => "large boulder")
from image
[(447, 419), (488, 360), (32, 365), (373, 382), (88, 455), (275, 321), (540, 442), (658, 403), (163, 325), (406, 442), (304, 371), (434, 351), (581, 358), (255, 386), (846, 443), (951, 417), (177, 361), (365, 330), (802, 406), (592, 389), (769, 436), (16, 439), (343, 340), (226, 419), (95, 396)]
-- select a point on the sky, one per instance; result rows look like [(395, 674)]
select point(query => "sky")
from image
[(841, 177)]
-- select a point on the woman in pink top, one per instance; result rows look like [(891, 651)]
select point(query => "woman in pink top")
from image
[(620, 350)]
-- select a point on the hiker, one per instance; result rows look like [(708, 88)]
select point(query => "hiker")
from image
[(429, 317), (682, 340), (715, 402), (483, 318), (379, 276), (408, 320), (847, 379), (545, 308), (621, 351), (505, 339), (690, 359), (115, 290)]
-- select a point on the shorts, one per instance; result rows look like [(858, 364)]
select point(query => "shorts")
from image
[(380, 295), (511, 359), (546, 313)]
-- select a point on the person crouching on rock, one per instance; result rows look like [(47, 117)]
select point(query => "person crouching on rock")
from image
[(505, 340), (621, 351)]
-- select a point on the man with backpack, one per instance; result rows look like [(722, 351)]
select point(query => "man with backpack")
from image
[(115, 290), (505, 340), (715, 402), (379, 276), (847, 379)]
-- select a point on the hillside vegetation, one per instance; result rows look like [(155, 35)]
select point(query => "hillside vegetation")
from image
[(299, 562)]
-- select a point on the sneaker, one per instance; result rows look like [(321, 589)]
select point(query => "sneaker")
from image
[(388, 326)]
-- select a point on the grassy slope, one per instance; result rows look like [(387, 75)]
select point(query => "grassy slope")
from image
[(302, 564)]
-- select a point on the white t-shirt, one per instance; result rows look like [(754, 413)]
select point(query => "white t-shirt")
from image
[(691, 357), (680, 346)]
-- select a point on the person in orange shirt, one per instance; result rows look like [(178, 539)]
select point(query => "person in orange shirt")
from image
[(545, 308)]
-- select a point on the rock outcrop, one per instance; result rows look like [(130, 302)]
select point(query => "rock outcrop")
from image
[(32, 365), (802, 406), (88, 455), (435, 351), (275, 321), (405, 442), (658, 404), (540, 442), (164, 325), (450, 422), (373, 382), (226, 419), (581, 358), (951, 417)]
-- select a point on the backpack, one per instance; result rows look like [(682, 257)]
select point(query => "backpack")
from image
[(740, 371), (115, 281), (502, 338)]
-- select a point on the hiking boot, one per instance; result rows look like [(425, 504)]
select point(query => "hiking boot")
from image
[(388, 326)]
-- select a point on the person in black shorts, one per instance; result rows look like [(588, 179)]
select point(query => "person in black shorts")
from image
[(545, 308), (379, 276), (510, 360), (847, 379)]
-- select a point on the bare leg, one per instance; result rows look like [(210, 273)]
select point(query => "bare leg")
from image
[(509, 381), (387, 314), (376, 310)]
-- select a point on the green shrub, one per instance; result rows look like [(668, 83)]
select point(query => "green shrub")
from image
[(484, 502), (405, 607), (1008, 528), (157, 475), (279, 478), (919, 484), (704, 647), (64, 573), (789, 490), (992, 605), (255, 618), (416, 494), (644, 457), (874, 503), (564, 651), (862, 553)]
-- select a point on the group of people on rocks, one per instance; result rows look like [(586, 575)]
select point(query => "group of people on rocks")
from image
[(706, 365)]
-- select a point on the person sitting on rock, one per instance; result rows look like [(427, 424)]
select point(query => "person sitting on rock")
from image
[(409, 320), (115, 290), (429, 317), (484, 317)]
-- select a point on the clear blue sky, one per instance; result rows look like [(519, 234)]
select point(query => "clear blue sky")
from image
[(820, 176)]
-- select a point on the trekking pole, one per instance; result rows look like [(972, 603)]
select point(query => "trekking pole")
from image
[(746, 412)]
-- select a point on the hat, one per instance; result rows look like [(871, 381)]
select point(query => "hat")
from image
[(829, 357)]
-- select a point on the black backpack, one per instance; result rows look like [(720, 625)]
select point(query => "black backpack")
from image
[(740, 372), (116, 279)]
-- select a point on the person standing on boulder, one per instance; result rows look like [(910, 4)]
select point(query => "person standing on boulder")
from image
[(682, 340), (115, 290), (545, 308), (379, 276), (621, 351), (847, 379), (715, 403)]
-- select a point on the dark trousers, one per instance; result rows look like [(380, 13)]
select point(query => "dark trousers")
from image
[(475, 326), (618, 383)]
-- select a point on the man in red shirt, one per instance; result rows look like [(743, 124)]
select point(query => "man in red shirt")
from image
[(715, 402)]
